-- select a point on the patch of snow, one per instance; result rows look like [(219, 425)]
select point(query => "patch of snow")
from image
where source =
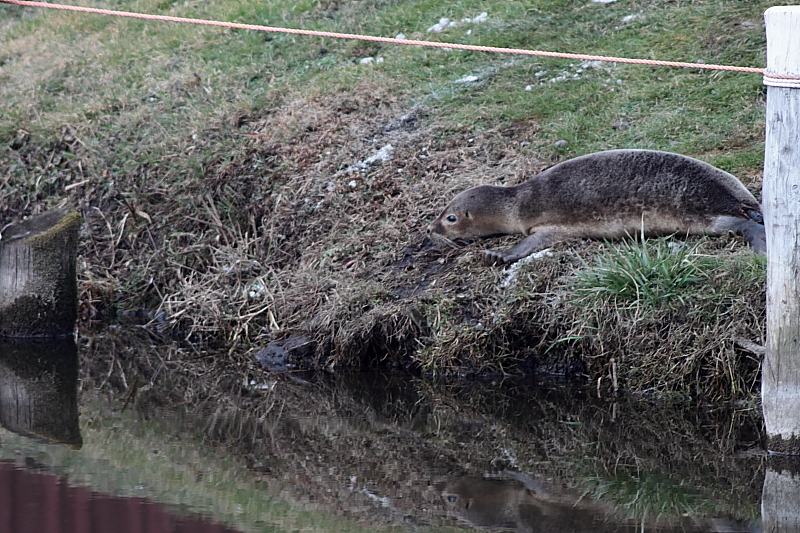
[(382, 155), (384, 501), (443, 23), (366, 60), (400, 36), (603, 1), (483, 17), (629, 18), (511, 272), (467, 79)]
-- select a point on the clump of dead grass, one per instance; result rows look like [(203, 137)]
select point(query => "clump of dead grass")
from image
[(694, 337), (685, 336)]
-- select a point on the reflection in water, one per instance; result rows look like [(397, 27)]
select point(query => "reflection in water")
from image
[(42, 503), (780, 502), (368, 452), (526, 505), (38, 389), (510, 505)]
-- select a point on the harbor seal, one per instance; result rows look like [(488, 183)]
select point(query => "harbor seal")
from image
[(605, 195)]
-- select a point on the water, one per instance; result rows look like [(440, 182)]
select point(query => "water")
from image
[(89, 445)]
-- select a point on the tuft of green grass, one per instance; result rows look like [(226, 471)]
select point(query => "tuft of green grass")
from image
[(639, 273)]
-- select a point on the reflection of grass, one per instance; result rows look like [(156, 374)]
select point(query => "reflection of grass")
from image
[(165, 461), (647, 496)]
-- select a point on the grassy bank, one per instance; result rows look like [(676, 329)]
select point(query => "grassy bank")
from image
[(218, 174)]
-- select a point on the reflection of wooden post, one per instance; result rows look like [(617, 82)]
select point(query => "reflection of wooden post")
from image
[(780, 381), (38, 286), (39, 389), (780, 499)]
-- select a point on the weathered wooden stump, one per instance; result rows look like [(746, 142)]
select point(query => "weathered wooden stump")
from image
[(39, 389), (38, 285)]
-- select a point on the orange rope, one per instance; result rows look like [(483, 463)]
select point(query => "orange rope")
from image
[(335, 35)]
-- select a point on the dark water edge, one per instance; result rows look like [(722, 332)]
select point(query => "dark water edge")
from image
[(368, 451), (34, 501)]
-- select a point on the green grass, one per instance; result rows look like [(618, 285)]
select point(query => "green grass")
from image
[(638, 273)]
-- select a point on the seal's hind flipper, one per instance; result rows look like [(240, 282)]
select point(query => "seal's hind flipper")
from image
[(755, 216), (753, 232)]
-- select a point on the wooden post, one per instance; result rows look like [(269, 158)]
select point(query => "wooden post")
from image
[(780, 380), (38, 284)]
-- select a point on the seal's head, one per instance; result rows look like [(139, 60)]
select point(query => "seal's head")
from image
[(482, 211)]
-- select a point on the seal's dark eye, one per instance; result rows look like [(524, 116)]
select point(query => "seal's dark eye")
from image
[(451, 218), (452, 498)]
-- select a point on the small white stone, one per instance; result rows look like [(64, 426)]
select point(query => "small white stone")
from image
[(629, 18), (400, 36), (379, 60), (366, 60), (352, 184), (467, 79), (529, 87)]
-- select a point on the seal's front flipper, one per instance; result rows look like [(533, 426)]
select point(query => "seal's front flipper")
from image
[(533, 243)]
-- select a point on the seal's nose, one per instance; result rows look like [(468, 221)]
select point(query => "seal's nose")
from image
[(428, 230)]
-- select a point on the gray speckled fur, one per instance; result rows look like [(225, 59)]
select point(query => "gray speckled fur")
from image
[(605, 195)]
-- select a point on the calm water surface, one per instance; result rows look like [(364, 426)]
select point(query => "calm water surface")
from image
[(368, 452)]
